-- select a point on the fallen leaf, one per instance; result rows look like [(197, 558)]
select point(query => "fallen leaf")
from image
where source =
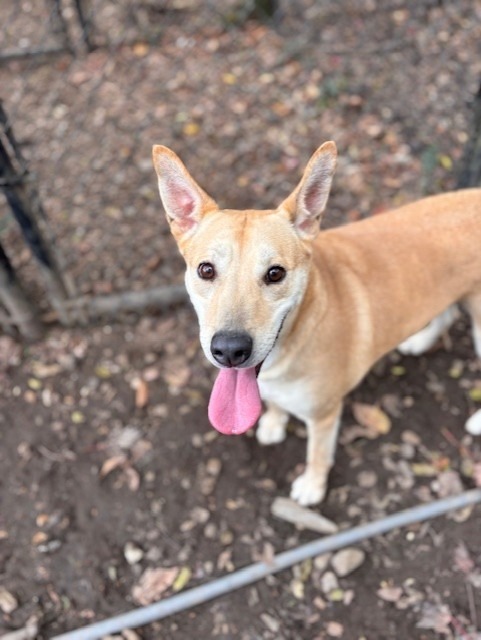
[(372, 418), (424, 469), (140, 49), (28, 632), (111, 464), (462, 559), (133, 478), (103, 372), (191, 129), (436, 617), (288, 510), (153, 583), (389, 593), (297, 589), (449, 484), (41, 370), (141, 393), (39, 538), (182, 579), (77, 417), (8, 602), (475, 394)]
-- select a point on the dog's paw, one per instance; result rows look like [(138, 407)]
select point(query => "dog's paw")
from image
[(473, 425), (270, 430), (308, 489), (418, 344)]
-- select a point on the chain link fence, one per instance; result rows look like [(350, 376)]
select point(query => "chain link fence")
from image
[(88, 86)]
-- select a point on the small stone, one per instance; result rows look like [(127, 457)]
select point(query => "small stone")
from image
[(334, 629), (200, 515), (347, 560), (210, 531), (133, 553), (321, 562), (329, 582), (213, 466), (226, 538), (366, 479)]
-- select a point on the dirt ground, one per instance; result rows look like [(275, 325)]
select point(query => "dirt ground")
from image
[(110, 471)]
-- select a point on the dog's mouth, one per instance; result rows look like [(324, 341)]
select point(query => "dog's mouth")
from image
[(235, 403)]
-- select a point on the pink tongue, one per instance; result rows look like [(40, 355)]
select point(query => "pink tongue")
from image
[(235, 403)]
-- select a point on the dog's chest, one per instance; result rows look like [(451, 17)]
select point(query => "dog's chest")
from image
[(293, 396)]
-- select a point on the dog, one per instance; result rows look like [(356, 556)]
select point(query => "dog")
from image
[(296, 317)]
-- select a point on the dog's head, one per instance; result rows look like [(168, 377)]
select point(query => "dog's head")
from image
[(246, 270)]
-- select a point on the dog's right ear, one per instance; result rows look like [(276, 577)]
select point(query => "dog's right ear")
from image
[(185, 203)]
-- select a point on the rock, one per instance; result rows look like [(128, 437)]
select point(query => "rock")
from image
[(321, 562), (334, 629), (347, 560), (133, 553), (329, 582)]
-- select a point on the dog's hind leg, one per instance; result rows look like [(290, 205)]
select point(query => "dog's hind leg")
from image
[(272, 425), (310, 487), (473, 306), (423, 340)]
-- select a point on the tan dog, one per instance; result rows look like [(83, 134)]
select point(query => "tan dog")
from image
[(310, 313)]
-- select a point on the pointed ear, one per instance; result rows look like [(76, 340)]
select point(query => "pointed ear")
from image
[(307, 202), (185, 203)]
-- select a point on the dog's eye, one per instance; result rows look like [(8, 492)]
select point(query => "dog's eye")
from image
[(206, 271), (274, 274)]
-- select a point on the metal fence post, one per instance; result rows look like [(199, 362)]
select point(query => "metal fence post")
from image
[(26, 208)]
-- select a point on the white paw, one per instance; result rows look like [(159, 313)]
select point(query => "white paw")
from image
[(308, 489), (418, 343), (423, 340), (473, 425), (270, 431)]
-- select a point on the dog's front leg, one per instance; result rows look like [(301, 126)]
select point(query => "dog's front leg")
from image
[(310, 487), (272, 425)]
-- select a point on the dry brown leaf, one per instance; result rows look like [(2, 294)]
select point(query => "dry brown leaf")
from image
[(288, 510), (133, 478), (153, 583), (436, 617), (111, 464), (462, 559), (389, 593), (372, 418), (141, 393), (41, 370)]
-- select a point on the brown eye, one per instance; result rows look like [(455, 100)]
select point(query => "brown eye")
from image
[(274, 274), (206, 271)]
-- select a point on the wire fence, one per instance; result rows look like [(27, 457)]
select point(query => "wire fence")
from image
[(88, 85)]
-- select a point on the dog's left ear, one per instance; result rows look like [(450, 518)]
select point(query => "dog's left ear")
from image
[(307, 202), (185, 203)]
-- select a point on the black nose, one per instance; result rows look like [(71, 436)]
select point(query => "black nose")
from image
[(231, 348)]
